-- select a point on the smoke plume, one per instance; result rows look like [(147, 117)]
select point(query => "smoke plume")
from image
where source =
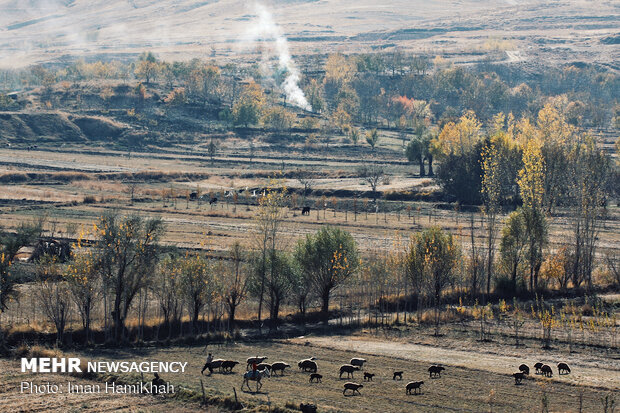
[(267, 30)]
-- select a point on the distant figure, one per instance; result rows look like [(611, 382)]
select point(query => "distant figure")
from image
[(398, 375), (305, 211), (208, 365), (538, 366), (413, 385), (156, 382), (435, 371), (193, 196), (518, 377), (546, 371), (316, 377), (563, 367), (213, 201), (354, 387), (523, 368), (307, 408), (368, 376)]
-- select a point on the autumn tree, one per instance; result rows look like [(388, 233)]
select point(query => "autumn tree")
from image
[(278, 120), (198, 285), (269, 219), (372, 138), (249, 108), (147, 67), (491, 192), (127, 253), (513, 245), (589, 174), (430, 262), (165, 285), (82, 276), (235, 284), (531, 186), (327, 258), (53, 295)]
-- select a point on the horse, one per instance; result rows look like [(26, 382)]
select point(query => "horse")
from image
[(254, 376)]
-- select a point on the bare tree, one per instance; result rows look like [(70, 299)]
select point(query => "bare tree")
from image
[(235, 285), (372, 174), (53, 295)]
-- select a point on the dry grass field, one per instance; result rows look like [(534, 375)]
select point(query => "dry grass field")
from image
[(472, 382)]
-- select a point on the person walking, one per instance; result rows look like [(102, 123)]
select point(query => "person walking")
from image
[(208, 365)]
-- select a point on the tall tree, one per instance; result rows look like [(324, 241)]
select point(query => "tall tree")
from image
[(235, 284), (127, 249), (327, 258)]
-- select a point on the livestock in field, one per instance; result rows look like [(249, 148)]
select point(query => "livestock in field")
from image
[(563, 367), (349, 369), (279, 366), (368, 376), (435, 371), (354, 387), (523, 368), (518, 377), (253, 360), (358, 362), (316, 377), (538, 366), (305, 211), (546, 370), (398, 375), (308, 365), (228, 365), (262, 366), (413, 385)]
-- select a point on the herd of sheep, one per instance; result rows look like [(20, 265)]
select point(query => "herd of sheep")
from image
[(355, 364)]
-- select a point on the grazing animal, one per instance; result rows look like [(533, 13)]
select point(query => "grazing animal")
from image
[(435, 371), (216, 364), (308, 365), (307, 408), (263, 366), (354, 387), (563, 367), (415, 386), (213, 201), (518, 377), (538, 366), (398, 374), (524, 369), (305, 211), (546, 371), (358, 362), (368, 376), (156, 382), (228, 365), (252, 360), (279, 366), (193, 196), (316, 377), (349, 369), (256, 376)]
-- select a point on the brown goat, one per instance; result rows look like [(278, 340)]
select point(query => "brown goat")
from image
[(349, 369), (354, 387), (368, 376), (316, 377), (279, 366), (413, 385)]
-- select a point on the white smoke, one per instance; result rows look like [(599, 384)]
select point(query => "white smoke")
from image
[(266, 29)]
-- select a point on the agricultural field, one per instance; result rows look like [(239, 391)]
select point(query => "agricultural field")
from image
[(415, 183)]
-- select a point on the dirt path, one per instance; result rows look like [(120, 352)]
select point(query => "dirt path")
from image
[(603, 372)]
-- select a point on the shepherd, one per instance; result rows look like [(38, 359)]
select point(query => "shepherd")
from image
[(208, 365)]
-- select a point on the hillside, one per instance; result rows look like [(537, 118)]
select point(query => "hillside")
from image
[(36, 31)]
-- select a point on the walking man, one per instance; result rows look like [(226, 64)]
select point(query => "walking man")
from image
[(208, 365)]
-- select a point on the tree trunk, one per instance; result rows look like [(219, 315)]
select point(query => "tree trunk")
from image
[(422, 171), (325, 306)]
